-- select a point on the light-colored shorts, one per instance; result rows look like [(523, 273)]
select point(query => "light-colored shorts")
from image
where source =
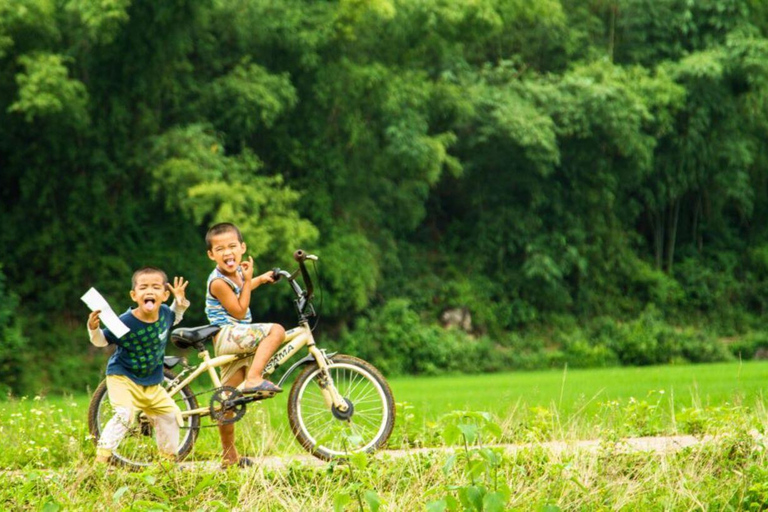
[(238, 339), (153, 400)]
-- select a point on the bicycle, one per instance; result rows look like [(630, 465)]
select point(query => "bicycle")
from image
[(337, 405)]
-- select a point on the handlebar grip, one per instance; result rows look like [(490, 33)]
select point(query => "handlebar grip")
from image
[(276, 274), (299, 255)]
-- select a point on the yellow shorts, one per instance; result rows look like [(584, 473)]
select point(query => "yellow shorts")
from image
[(238, 339), (152, 400)]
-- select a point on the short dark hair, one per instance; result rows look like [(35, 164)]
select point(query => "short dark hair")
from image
[(147, 270), (222, 227)]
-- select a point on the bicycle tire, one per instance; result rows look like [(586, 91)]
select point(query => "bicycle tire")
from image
[(309, 416), (135, 451)]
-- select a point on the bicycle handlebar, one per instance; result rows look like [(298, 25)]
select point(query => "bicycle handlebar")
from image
[(302, 256), (303, 297)]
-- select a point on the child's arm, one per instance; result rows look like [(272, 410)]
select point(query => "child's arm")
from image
[(264, 278), (94, 333), (180, 302), (235, 306)]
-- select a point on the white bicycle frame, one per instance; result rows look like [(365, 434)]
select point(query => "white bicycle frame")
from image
[(295, 339)]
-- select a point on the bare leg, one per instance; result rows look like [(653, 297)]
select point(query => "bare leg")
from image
[(229, 453), (264, 351)]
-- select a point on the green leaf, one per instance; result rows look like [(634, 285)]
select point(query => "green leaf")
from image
[(494, 502), (51, 506), (119, 493), (448, 466), (202, 484), (474, 469), (451, 434), (340, 500), (159, 492), (152, 505), (373, 500), (437, 506), (359, 460), (493, 457), (469, 431), (493, 429), (472, 497)]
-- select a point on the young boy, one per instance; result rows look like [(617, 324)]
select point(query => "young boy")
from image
[(227, 304), (135, 370)]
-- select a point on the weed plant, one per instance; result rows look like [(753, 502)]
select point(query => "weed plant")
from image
[(46, 460)]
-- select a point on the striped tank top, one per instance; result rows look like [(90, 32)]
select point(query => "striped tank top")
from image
[(217, 314)]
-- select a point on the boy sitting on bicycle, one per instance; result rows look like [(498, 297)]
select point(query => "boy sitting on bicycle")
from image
[(135, 370), (227, 302)]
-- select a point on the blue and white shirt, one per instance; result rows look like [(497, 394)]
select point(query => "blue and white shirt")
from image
[(217, 314)]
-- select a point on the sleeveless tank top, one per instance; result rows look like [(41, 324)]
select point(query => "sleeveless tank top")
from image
[(217, 314)]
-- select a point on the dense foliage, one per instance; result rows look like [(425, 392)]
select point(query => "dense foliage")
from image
[(581, 172)]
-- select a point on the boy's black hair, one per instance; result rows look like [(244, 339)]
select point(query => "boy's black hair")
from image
[(220, 228), (147, 270)]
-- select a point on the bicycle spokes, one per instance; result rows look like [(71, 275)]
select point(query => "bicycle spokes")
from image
[(360, 426)]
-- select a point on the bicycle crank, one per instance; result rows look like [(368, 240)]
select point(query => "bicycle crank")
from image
[(226, 405)]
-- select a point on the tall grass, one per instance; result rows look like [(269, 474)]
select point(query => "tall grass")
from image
[(46, 454)]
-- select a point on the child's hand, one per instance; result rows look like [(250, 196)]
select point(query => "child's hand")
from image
[(266, 277), (178, 289), (93, 320), (247, 267)]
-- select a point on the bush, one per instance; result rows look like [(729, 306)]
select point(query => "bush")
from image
[(395, 340), (13, 353), (748, 345), (648, 340)]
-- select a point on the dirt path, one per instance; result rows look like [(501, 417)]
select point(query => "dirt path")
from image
[(633, 444)]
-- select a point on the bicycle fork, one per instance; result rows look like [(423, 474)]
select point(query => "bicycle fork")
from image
[(332, 397)]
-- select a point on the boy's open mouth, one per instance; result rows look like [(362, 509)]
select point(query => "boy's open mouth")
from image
[(230, 262), (149, 304)]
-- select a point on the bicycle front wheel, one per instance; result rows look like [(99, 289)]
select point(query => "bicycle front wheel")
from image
[(328, 433), (139, 447)]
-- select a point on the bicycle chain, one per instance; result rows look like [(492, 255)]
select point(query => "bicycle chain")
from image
[(198, 394)]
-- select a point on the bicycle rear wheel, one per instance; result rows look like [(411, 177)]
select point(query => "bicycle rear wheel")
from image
[(139, 448), (329, 433)]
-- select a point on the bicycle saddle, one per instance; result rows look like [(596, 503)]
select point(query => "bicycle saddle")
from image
[(186, 337)]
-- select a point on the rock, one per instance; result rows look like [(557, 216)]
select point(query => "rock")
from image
[(457, 317)]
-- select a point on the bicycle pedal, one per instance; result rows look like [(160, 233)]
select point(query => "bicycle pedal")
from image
[(247, 399)]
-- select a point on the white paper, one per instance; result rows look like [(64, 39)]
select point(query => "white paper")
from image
[(95, 301)]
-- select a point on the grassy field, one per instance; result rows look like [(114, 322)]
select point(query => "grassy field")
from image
[(585, 390), (724, 400)]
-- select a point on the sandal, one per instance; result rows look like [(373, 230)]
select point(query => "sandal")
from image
[(242, 462), (266, 388), (245, 462)]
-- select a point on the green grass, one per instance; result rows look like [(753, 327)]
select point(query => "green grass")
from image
[(559, 404), (725, 400), (572, 390)]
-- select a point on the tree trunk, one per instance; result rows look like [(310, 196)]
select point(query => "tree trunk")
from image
[(612, 30), (674, 216), (657, 223), (696, 215)]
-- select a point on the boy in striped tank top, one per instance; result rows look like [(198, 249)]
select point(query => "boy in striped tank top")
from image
[(227, 302)]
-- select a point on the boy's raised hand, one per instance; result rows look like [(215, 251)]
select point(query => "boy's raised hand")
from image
[(247, 267), (179, 289), (93, 320)]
